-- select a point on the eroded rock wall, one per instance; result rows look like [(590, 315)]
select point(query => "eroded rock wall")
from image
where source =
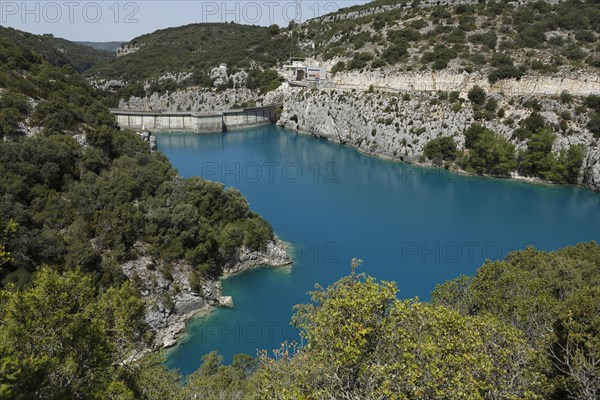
[(399, 125)]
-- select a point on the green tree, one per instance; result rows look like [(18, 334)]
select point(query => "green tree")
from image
[(538, 159), (215, 381), (576, 348), (553, 299), (274, 29), (264, 81), (440, 149), (364, 343), (68, 340), (491, 154), (472, 135), (6, 230), (339, 66), (476, 95)]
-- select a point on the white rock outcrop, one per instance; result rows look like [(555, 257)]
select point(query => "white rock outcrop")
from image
[(399, 125), (170, 299)]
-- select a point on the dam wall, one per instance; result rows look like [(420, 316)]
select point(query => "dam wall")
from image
[(195, 122)]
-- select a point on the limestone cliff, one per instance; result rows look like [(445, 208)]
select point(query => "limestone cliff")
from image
[(392, 79), (398, 125), (200, 99), (170, 298)]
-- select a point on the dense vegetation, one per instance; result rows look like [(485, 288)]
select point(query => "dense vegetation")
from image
[(86, 207), (65, 102), (526, 327), (197, 49), (501, 38), (71, 214), (440, 149), (490, 153), (59, 52)]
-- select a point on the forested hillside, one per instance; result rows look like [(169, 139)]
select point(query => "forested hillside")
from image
[(59, 52), (502, 39), (180, 57), (79, 197), (523, 328)]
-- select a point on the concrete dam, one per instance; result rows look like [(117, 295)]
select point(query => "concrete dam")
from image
[(196, 122)]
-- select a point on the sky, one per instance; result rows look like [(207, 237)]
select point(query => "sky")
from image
[(103, 21)]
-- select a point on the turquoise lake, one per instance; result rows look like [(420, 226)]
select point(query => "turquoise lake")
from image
[(416, 226)]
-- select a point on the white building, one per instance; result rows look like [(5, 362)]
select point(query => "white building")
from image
[(300, 74)]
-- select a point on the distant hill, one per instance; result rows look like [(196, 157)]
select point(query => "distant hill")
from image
[(57, 51), (105, 46), (500, 39), (196, 49)]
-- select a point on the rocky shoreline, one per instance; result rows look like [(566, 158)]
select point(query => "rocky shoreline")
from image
[(170, 299), (398, 126)]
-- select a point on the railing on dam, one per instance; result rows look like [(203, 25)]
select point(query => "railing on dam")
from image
[(197, 122)]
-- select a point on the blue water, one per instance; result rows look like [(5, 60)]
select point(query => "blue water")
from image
[(416, 226)]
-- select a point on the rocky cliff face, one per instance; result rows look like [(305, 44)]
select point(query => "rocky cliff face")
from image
[(395, 114), (127, 48), (275, 255), (398, 126), (392, 80), (199, 99), (170, 298)]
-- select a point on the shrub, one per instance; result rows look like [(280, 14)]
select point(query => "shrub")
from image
[(441, 149), (264, 81), (477, 95), (378, 63), (533, 104), (531, 36), (593, 102), (472, 134), (491, 154), (488, 39), (392, 54), (402, 36), (440, 56), (594, 125), (491, 104), (274, 30), (360, 60), (339, 66), (566, 97), (585, 36), (534, 122), (504, 68), (504, 72)]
